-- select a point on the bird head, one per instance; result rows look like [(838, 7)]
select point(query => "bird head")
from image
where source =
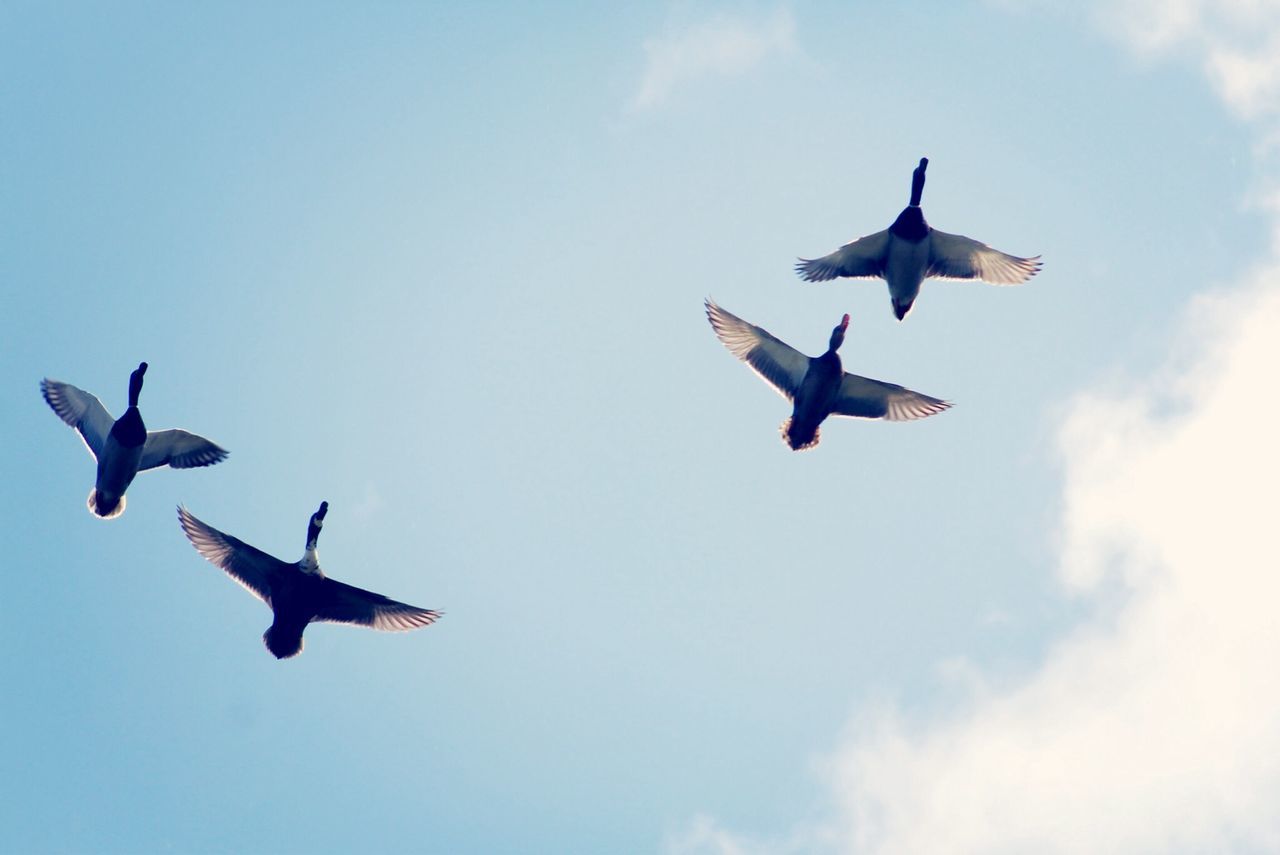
[(837, 334), (317, 521)]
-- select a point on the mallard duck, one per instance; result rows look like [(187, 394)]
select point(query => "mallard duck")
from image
[(298, 593), (911, 250), (817, 386), (122, 446)]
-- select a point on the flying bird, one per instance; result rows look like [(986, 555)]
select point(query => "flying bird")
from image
[(299, 593), (911, 250), (122, 446), (818, 386)]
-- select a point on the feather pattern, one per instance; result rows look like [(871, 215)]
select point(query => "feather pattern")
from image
[(179, 449), (862, 397), (249, 566), (958, 257), (343, 603), (863, 258), (778, 363), (80, 410)]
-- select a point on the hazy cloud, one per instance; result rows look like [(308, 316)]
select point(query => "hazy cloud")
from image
[(723, 45), (1237, 43)]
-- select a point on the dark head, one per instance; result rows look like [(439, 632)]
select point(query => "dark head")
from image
[(917, 182), (135, 383), (837, 335), (317, 520)]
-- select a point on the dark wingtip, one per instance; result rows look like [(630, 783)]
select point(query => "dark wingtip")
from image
[(924, 164), (142, 368), (324, 509)]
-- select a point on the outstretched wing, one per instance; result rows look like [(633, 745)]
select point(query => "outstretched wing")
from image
[(343, 603), (859, 259), (180, 449), (82, 411), (780, 364), (959, 257), (249, 566), (862, 397)]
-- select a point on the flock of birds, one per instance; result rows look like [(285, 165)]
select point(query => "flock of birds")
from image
[(904, 255), (297, 593)]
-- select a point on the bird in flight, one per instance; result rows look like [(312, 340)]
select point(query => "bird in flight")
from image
[(818, 387), (299, 593), (910, 251), (123, 447)]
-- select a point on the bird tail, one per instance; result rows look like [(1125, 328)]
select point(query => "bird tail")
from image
[(796, 440), (282, 643), (107, 515)]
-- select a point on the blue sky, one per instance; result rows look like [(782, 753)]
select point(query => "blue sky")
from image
[(443, 267)]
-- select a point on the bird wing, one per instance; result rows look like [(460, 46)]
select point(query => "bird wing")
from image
[(780, 364), (249, 566), (862, 397), (958, 257), (180, 449), (82, 411), (343, 603), (862, 258)]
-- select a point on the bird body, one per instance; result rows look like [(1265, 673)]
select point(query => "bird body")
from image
[(911, 250), (299, 592), (122, 447), (904, 260), (818, 387)]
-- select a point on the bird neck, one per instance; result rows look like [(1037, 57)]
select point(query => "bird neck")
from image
[(917, 183), (135, 387), (310, 562)]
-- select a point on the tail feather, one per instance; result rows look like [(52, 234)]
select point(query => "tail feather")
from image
[(282, 642), (108, 515), (798, 442)]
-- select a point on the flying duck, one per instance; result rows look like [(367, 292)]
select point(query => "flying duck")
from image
[(299, 593), (818, 386), (910, 250), (122, 446)]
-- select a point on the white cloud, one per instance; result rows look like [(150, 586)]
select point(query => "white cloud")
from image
[(722, 46), (1155, 727)]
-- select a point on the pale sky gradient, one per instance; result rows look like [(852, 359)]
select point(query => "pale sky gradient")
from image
[(444, 267)]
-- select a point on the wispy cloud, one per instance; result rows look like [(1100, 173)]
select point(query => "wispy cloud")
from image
[(722, 46), (1236, 42)]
